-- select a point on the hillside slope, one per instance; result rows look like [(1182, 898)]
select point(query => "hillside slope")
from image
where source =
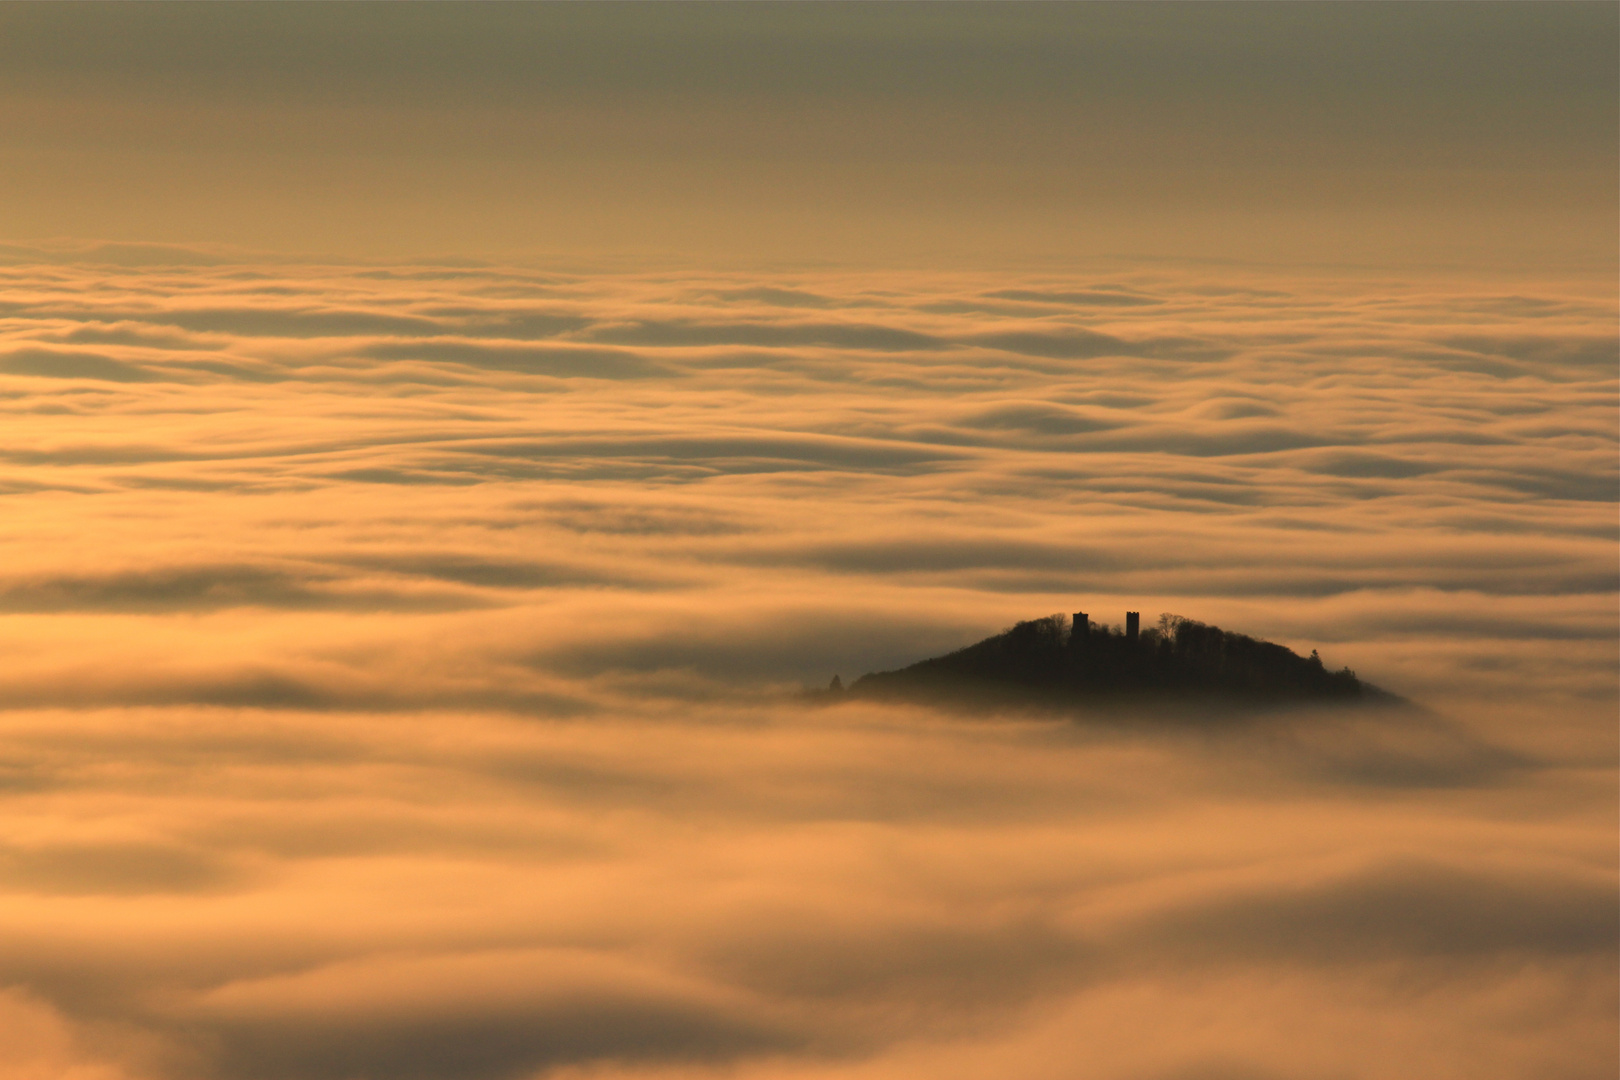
[(1045, 661)]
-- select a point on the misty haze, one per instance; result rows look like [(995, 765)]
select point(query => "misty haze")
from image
[(451, 450)]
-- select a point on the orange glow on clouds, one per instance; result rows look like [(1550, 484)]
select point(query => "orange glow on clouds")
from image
[(441, 441), (400, 670)]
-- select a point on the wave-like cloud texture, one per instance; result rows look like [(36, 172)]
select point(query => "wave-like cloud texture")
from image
[(399, 672)]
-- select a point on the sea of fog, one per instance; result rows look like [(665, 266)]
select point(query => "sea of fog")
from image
[(403, 666)]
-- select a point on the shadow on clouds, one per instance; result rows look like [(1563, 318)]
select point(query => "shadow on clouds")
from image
[(562, 362), (59, 364)]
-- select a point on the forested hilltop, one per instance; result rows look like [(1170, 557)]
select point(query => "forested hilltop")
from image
[(1057, 660)]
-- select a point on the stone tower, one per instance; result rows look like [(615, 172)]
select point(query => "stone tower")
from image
[(1133, 625)]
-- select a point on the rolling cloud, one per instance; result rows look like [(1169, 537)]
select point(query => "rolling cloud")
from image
[(401, 666)]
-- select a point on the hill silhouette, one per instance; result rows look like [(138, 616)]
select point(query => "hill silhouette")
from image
[(1056, 661)]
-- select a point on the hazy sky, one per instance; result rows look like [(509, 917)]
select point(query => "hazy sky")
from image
[(1326, 132), (440, 443)]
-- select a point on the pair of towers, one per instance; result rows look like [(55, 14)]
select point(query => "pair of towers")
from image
[(1082, 626)]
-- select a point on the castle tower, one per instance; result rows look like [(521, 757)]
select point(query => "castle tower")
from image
[(1080, 631), (1133, 625)]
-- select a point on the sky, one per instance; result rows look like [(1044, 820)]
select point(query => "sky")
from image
[(442, 442), (867, 132)]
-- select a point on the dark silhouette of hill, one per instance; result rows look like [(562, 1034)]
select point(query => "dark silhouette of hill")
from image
[(1058, 662)]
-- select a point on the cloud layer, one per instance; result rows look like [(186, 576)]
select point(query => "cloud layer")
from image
[(1420, 472), (400, 665)]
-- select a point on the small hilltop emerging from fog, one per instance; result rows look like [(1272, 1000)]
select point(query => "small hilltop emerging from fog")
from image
[(1059, 661)]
